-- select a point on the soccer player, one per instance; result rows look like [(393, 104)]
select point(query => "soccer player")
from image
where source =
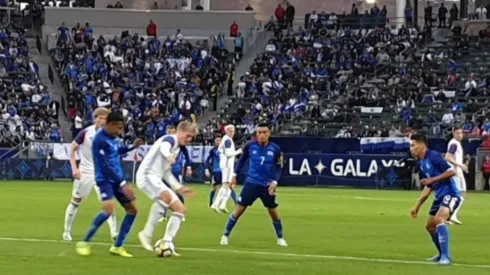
[(264, 170), (227, 154), (213, 162), (110, 179), (84, 174), (436, 176), (157, 165), (455, 157)]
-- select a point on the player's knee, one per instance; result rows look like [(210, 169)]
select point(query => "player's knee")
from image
[(430, 228), (76, 201), (440, 219), (131, 209)]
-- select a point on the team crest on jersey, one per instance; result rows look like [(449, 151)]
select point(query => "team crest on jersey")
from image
[(254, 152), (270, 153)]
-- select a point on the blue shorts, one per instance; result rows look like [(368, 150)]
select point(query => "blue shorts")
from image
[(252, 192), (217, 178), (112, 191), (448, 201)]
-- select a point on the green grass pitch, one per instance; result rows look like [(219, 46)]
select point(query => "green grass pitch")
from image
[(329, 231)]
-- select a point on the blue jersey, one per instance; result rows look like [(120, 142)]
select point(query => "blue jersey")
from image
[(106, 152), (434, 165), (181, 161), (212, 162), (264, 163)]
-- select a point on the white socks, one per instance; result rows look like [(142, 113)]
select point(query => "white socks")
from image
[(456, 211), (157, 211), (173, 226), (70, 213), (221, 199)]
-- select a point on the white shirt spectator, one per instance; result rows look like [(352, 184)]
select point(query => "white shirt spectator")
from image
[(481, 13), (103, 102), (36, 98), (447, 118), (78, 122), (470, 84)]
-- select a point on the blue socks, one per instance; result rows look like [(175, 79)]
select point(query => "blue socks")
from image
[(443, 236), (278, 228), (211, 197), (229, 226), (98, 221), (435, 240), (233, 195), (126, 225)]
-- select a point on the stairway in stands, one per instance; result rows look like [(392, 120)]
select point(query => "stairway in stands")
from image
[(43, 60)]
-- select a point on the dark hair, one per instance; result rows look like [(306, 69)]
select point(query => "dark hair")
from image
[(457, 127), (171, 127), (263, 124), (419, 138), (115, 117)]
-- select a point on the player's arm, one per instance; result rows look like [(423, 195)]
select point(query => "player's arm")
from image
[(423, 197), (101, 149), (75, 147), (229, 151), (166, 149), (187, 159), (209, 163), (451, 158), (279, 159), (124, 149), (445, 171)]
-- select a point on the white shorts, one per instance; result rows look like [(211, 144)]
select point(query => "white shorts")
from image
[(460, 183), (227, 175), (83, 187), (152, 186)]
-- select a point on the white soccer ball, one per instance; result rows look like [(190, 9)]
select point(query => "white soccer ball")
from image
[(163, 249)]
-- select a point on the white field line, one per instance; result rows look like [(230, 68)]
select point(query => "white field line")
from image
[(265, 253)]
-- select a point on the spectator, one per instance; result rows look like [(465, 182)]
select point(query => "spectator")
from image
[(118, 5), (354, 10), (234, 29), (453, 14), (428, 15), (409, 15), (486, 170), (290, 13), (442, 16), (155, 6), (481, 13), (249, 8), (78, 124), (239, 46), (199, 7), (280, 14), (151, 29)]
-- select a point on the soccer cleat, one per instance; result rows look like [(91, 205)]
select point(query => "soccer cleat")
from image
[(145, 241), (67, 237), (172, 247), (224, 210), (120, 251), (444, 261), (434, 259), (216, 209), (162, 219), (282, 242), (456, 221), (183, 219), (83, 249), (449, 222), (224, 240)]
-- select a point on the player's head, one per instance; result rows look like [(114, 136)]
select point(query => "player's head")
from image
[(185, 132), (100, 116), (418, 145), (171, 129), (115, 124), (458, 133), (263, 132), (217, 140), (230, 130)]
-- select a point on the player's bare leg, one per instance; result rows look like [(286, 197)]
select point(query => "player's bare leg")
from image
[(276, 221), (454, 218), (127, 223), (108, 208), (237, 213)]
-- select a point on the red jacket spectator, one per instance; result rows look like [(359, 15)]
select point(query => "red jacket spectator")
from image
[(486, 143), (280, 12), (151, 29), (234, 29), (486, 167)]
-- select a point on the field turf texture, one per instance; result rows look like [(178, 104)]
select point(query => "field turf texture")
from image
[(329, 231)]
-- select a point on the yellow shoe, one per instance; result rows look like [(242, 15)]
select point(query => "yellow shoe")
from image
[(83, 248), (120, 251)]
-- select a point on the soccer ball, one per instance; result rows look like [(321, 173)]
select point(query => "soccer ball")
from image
[(163, 249)]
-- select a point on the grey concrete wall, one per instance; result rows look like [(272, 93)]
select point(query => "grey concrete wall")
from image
[(113, 21)]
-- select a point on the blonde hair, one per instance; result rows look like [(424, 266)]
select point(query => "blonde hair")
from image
[(101, 111)]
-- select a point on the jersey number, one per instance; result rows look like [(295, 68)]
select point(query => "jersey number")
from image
[(451, 202), (262, 159)]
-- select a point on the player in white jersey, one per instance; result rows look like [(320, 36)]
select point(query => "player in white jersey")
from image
[(455, 157), (157, 165), (227, 152), (84, 174)]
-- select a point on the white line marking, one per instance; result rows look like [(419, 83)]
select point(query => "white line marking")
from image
[(265, 253), (384, 199)]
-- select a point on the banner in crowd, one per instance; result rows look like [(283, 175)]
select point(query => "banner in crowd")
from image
[(61, 151), (372, 110), (389, 144)]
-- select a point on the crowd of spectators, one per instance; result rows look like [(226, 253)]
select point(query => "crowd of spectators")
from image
[(153, 82)]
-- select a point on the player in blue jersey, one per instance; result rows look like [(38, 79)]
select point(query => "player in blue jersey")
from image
[(264, 171), (436, 176), (213, 170), (110, 179)]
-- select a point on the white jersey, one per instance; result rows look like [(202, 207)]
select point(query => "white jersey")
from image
[(84, 139), (226, 150), (155, 162), (454, 147)]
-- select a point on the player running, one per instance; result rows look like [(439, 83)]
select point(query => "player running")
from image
[(84, 174), (227, 154), (455, 157), (110, 179), (264, 170), (157, 165), (437, 176)]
